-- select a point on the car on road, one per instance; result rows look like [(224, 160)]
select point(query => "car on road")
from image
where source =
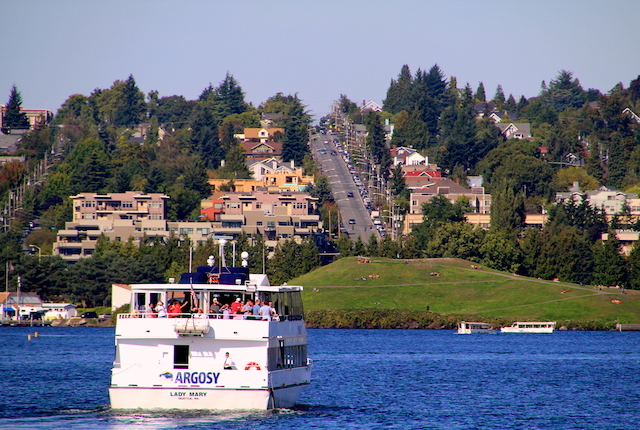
[(352, 221), (349, 194), (89, 315)]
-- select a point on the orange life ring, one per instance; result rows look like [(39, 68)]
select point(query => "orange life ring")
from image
[(252, 364)]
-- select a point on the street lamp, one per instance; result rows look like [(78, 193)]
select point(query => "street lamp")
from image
[(39, 252)]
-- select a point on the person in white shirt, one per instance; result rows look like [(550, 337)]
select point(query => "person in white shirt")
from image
[(228, 362)]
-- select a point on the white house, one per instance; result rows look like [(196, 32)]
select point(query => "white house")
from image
[(407, 156), (60, 311)]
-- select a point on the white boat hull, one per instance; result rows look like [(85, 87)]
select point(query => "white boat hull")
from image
[(204, 398)]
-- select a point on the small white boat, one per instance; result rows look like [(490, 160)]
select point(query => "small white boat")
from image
[(530, 327), (466, 327)]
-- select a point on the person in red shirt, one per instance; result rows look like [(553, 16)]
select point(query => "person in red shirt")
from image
[(174, 309), (236, 306)]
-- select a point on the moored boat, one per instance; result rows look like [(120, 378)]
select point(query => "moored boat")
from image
[(197, 358), (466, 327), (530, 327)]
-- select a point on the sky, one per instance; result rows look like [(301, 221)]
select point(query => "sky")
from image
[(318, 49)]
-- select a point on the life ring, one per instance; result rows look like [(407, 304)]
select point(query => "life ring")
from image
[(214, 279), (252, 364)]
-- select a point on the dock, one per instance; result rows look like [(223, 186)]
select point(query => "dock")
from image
[(24, 323), (628, 327)]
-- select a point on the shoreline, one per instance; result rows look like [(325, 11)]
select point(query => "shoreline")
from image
[(373, 319)]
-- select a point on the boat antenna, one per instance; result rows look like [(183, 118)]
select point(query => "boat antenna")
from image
[(223, 262)]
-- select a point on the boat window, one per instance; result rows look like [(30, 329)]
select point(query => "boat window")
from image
[(141, 301), (155, 298), (286, 356), (180, 356)]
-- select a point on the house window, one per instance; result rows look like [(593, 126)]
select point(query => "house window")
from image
[(259, 223), (127, 204), (258, 205), (184, 231), (202, 230)]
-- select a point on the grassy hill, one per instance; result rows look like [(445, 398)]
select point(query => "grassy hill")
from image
[(460, 290)]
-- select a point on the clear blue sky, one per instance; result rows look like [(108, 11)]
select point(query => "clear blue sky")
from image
[(318, 49)]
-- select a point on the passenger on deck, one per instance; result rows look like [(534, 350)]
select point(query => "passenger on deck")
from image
[(226, 312), (256, 307), (215, 307), (151, 313), (175, 309), (161, 310), (266, 311), (235, 306), (247, 309)]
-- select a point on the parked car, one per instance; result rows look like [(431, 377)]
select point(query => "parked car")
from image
[(349, 194), (105, 316), (89, 315), (352, 221)]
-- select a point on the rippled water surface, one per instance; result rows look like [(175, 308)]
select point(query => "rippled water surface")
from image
[(362, 379)]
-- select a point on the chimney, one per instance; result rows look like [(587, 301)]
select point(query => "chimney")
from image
[(293, 164)]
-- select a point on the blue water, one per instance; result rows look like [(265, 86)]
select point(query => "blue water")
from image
[(363, 379)]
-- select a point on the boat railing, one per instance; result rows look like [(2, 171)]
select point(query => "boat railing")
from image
[(212, 317)]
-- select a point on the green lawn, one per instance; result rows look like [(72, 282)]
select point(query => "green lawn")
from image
[(459, 290)]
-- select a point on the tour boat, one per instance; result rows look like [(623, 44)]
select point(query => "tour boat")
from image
[(466, 327), (530, 327), (205, 360)]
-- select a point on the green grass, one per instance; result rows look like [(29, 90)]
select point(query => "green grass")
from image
[(460, 290)]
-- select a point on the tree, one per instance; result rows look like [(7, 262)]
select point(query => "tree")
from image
[(616, 166), (563, 92), (501, 251), (13, 117), (131, 107), (399, 92), (480, 93), (321, 190), (499, 98), (376, 142), (231, 96), (457, 128), (507, 209), (455, 240), (296, 134), (204, 136), (610, 267), (398, 184)]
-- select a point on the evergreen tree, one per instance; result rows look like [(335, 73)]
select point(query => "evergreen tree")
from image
[(499, 98), (230, 95), (398, 184), (458, 132), (296, 134), (376, 143), (399, 92), (507, 209), (610, 267), (204, 136), (13, 117), (616, 166), (131, 106), (480, 93), (416, 134)]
